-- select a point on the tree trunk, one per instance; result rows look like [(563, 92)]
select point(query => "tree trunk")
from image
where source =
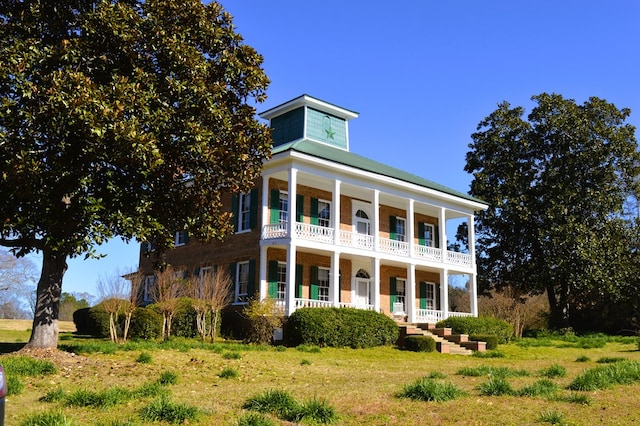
[(44, 333)]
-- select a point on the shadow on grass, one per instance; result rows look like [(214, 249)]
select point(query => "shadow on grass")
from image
[(6, 348)]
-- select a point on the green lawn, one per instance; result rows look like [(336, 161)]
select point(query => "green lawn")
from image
[(361, 386)]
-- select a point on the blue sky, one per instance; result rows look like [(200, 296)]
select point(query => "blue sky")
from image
[(423, 73)]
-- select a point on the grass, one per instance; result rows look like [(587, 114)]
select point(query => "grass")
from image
[(50, 418), (606, 376), (164, 410), (359, 386), (429, 389)]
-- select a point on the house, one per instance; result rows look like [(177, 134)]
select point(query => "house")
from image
[(327, 227)]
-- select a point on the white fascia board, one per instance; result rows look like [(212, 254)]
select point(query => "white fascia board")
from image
[(306, 100)]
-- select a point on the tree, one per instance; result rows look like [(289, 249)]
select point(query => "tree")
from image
[(168, 287), (16, 278), (120, 118), (135, 280), (211, 293), (113, 291), (69, 303), (556, 185)]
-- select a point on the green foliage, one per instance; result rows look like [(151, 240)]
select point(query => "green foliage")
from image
[(610, 359), (284, 406), (308, 348), (487, 370), (144, 358), (53, 395), (51, 418), (606, 376), (228, 373), (146, 323), (488, 354), (255, 419), (544, 387), (419, 343), (14, 385), (168, 378), (552, 417), (97, 399), (184, 320), (554, 371), (232, 355), (496, 386), (583, 358), (490, 339), (20, 365), (98, 322), (164, 410), (474, 326), (263, 319), (548, 232), (428, 389), (305, 362), (340, 327), (576, 398)]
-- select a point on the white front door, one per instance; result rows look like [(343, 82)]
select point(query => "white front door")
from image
[(362, 292)]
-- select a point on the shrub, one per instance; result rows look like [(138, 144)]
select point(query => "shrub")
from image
[(98, 322), (146, 323), (427, 389), (474, 326), (263, 319), (419, 343), (490, 339), (81, 321), (53, 418), (164, 410), (184, 319), (340, 327), (144, 358)]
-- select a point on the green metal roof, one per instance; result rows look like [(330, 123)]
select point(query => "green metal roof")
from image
[(347, 158)]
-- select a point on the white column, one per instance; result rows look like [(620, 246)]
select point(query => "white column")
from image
[(411, 233), (474, 293), (376, 284), (291, 225), (472, 241), (291, 279), (442, 236), (263, 272), (444, 293), (335, 213), (335, 279), (410, 293), (376, 219)]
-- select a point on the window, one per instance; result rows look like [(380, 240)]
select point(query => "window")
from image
[(400, 292), (149, 288), (244, 212), (205, 272), (242, 282), (283, 207), (428, 235), (282, 281), (401, 229), (323, 284), (181, 238), (324, 213), (427, 295)]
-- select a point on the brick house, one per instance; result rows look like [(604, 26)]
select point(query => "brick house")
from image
[(327, 227)]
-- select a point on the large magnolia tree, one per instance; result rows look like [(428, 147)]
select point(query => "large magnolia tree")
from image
[(557, 184), (120, 118)]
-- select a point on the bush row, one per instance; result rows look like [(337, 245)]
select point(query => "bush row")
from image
[(479, 326), (146, 322), (340, 327), (418, 343)]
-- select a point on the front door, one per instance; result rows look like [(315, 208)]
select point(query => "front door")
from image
[(362, 292)]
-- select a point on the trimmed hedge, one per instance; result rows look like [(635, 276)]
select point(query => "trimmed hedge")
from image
[(184, 320), (481, 325), (419, 343), (146, 323), (340, 327), (489, 339)]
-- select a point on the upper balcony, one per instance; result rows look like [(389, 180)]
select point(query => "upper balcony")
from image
[(326, 235)]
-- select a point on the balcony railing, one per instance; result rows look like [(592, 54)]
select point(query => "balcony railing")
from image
[(322, 234)]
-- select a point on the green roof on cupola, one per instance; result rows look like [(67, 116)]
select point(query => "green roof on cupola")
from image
[(306, 117)]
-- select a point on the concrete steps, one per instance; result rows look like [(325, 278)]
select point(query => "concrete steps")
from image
[(446, 342)]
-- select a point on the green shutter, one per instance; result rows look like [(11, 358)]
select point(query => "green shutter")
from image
[(421, 239), (339, 285), (251, 287), (436, 238), (234, 211), (315, 289), (393, 227), (300, 207), (437, 294), (299, 271), (274, 205), (253, 208), (423, 295), (314, 211), (393, 292), (273, 279)]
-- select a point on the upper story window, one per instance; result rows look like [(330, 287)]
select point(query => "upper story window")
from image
[(283, 207), (181, 238), (428, 235), (401, 229), (244, 212), (324, 213), (148, 288)]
